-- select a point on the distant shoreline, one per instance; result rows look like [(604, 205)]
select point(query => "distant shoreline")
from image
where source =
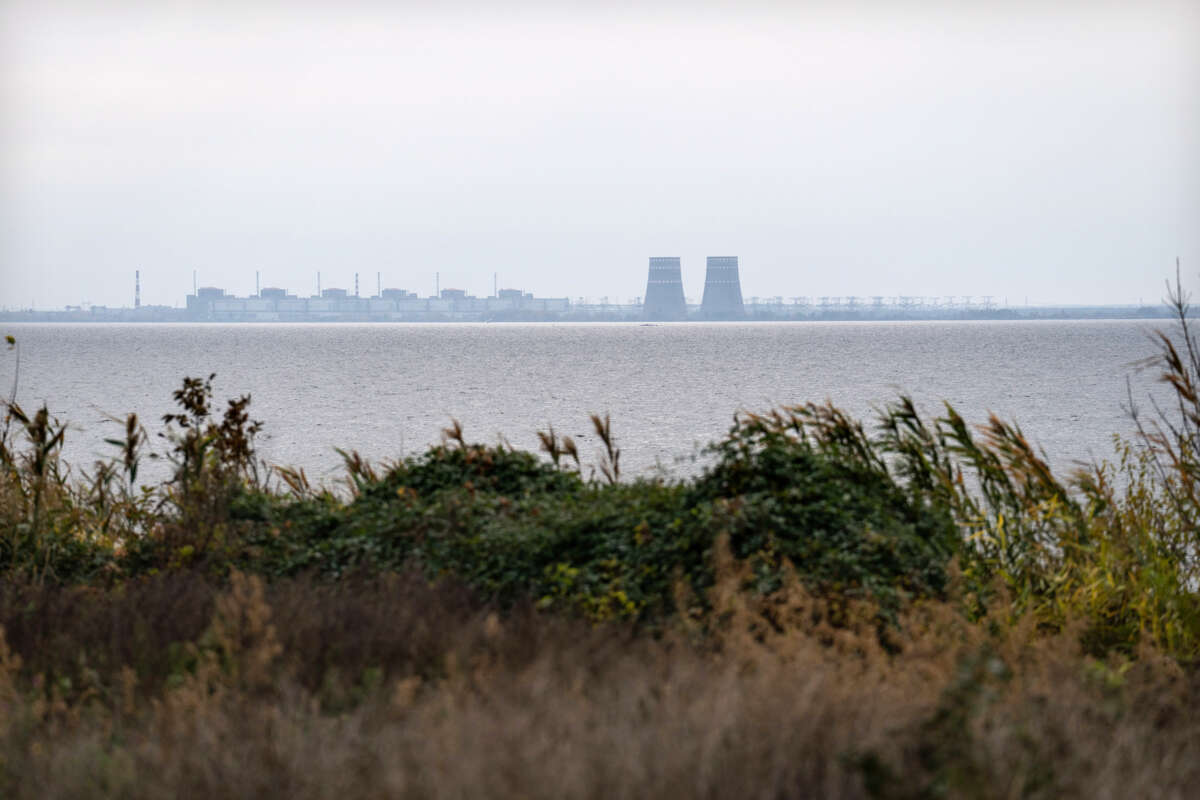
[(763, 313)]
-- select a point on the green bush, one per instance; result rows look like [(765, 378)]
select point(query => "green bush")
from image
[(513, 526), (842, 524)]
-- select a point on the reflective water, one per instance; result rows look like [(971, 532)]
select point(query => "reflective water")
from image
[(389, 389)]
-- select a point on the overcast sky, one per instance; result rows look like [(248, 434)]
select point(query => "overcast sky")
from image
[(1040, 150)]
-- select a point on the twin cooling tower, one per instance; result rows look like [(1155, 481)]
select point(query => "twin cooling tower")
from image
[(722, 290)]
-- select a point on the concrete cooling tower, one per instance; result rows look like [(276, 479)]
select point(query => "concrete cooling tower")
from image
[(722, 290), (664, 291)]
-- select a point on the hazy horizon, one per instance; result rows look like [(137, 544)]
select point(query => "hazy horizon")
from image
[(1011, 150)]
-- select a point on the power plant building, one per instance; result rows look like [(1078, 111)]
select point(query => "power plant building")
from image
[(722, 289), (664, 291), (273, 304)]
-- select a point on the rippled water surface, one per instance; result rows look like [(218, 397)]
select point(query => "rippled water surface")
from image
[(389, 389)]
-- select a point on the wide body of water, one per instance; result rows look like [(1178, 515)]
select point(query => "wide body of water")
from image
[(388, 390)]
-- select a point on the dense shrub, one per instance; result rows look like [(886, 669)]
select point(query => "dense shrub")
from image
[(842, 525), (513, 526)]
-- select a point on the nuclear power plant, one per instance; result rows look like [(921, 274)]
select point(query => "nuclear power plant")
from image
[(722, 290), (664, 291), (664, 301)]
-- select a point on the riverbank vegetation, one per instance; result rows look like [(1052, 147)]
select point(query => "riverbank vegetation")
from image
[(910, 607)]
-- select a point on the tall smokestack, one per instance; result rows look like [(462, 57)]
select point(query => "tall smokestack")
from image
[(379, 284), (257, 285), (195, 292), (664, 290), (318, 283), (137, 288), (722, 289), (356, 284)]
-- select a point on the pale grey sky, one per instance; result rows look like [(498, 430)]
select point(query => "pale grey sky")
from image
[(1048, 150)]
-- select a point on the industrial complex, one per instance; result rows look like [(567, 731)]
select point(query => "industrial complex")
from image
[(388, 305), (664, 300)]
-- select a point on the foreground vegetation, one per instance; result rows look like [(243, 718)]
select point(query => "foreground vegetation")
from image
[(916, 609)]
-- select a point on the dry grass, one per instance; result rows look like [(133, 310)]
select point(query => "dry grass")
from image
[(390, 687)]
